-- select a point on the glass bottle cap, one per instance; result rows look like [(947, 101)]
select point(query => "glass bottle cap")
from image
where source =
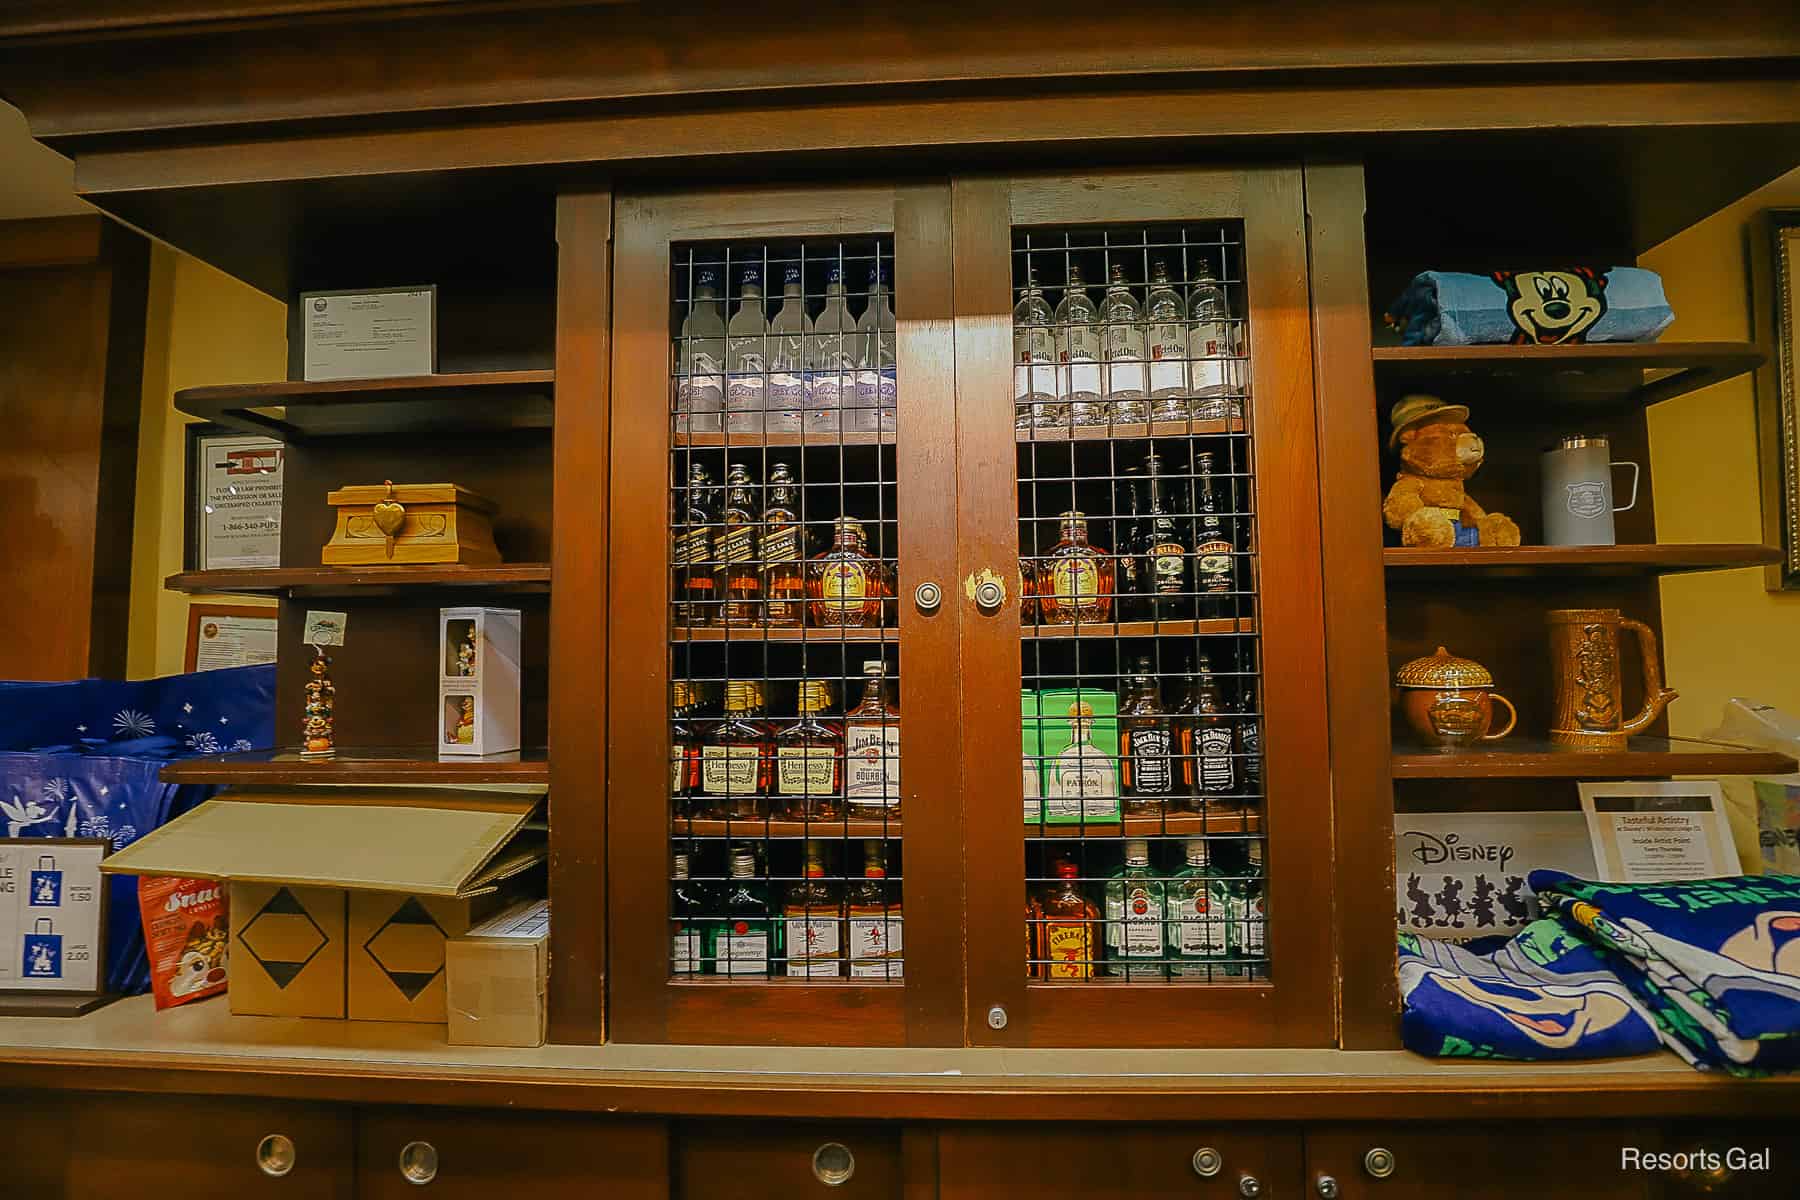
[(815, 695), (1066, 869), (875, 666), (740, 694), (1196, 852), (682, 693), (743, 864), (1137, 851), (680, 870), (1443, 670)]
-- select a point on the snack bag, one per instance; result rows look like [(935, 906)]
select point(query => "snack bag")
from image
[(185, 936)]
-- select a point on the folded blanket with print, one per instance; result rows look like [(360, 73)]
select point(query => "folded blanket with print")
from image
[(1708, 968), (1539, 308)]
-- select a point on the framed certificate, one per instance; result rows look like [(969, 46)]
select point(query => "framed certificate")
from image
[(370, 333), (52, 926), (234, 485), (1659, 832), (227, 635)]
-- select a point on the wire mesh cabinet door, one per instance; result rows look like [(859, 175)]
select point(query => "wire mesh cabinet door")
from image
[(784, 820), (1135, 415)]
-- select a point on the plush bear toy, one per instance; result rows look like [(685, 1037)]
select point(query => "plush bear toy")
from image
[(1427, 503)]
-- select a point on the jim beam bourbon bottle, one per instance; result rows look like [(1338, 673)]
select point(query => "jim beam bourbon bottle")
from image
[(737, 760), (848, 585), (1075, 580), (809, 759), (741, 576), (1068, 945), (783, 553), (1213, 546), (872, 749), (696, 574)]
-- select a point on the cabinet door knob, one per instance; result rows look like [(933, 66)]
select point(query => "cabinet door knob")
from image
[(275, 1155), (1379, 1162), (1249, 1187), (928, 596), (1207, 1162), (1327, 1187), (833, 1164), (418, 1162), (990, 594)]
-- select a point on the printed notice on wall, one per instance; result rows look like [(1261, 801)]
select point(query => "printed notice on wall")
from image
[(226, 641), (1659, 832), (1465, 875), (240, 501), (374, 334), (50, 915)]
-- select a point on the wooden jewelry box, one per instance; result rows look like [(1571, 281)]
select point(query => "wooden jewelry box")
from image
[(411, 523)]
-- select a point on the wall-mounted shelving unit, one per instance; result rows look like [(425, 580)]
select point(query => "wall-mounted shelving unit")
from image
[(469, 402), (360, 764)]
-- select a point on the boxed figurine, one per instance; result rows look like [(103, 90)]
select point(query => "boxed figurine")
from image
[(478, 680)]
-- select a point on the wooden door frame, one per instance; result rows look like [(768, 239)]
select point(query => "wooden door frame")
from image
[(646, 1005), (1295, 1009)]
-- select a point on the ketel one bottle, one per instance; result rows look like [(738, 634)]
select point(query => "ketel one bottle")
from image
[(782, 550), (1165, 551), (745, 938), (872, 749), (1135, 917), (809, 759), (1146, 746), (742, 577), (812, 914), (1213, 558), (696, 574), (1208, 761)]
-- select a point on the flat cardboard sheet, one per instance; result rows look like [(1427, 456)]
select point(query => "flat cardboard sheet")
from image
[(418, 842)]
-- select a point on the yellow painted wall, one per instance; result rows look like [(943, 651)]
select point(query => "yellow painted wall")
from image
[(202, 327)]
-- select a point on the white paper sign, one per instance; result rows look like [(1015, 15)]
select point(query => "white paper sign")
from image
[(240, 502), (49, 916), (1659, 832), (234, 642), (1464, 875), (376, 334), (325, 628)]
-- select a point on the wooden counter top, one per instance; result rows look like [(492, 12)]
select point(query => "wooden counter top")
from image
[(203, 1048)]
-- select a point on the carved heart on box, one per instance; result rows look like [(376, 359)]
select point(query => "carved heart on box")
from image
[(390, 516)]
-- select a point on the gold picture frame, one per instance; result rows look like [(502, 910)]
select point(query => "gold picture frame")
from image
[(1775, 300)]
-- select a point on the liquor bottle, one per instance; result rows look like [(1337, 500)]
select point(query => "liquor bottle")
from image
[(1067, 945), (1078, 353), (847, 585), (1209, 767), (740, 575), (700, 383), (1131, 604), (782, 551), (737, 759), (787, 357), (1213, 557), (812, 915), (1146, 740), (1199, 907), (1075, 580), (1034, 918), (1165, 551), (684, 749), (745, 939), (1249, 739), (809, 759), (1208, 345), (872, 749), (830, 360), (696, 574), (688, 903), (1035, 402), (875, 920), (1122, 346), (1166, 338), (1135, 917), (875, 378), (1082, 780), (746, 357), (1248, 931)]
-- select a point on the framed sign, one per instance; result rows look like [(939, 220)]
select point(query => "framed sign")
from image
[(52, 926), (233, 510), (368, 333), (1659, 832), (1775, 298), (229, 635)]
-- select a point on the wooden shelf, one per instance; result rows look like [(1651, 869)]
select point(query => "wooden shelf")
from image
[(1531, 758), (1218, 427), (486, 401), (754, 830), (1584, 561), (1218, 820), (823, 440), (403, 764), (334, 581), (819, 635), (1125, 629), (1592, 373)]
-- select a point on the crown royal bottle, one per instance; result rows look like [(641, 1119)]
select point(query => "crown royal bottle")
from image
[(848, 585), (1075, 580)]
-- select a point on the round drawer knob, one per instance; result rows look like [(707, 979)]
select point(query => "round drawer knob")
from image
[(990, 594), (833, 1164), (1207, 1162), (928, 596), (996, 1017), (1379, 1162), (1327, 1187), (1249, 1187), (418, 1162), (275, 1155)]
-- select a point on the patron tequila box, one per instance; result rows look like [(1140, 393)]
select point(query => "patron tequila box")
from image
[(1033, 762), (478, 680), (1079, 734)]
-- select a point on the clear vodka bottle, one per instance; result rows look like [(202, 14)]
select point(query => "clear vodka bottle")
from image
[(830, 362), (746, 357), (1078, 353), (787, 357), (700, 365), (1135, 917), (1035, 402), (1209, 343), (1200, 912), (875, 379), (1122, 346), (1166, 338)]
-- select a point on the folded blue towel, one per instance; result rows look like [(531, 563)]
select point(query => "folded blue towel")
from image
[(1551, 307)]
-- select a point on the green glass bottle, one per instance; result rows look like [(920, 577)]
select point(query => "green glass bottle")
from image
[(746, 939), (1135, 917), (1199, 945), (1249, 924)]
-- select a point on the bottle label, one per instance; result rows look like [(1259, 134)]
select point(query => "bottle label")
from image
[(741, 950), (1207, 346), (1069, 945), (1080, 361), (1212, 559), (1034, 375), (1216, 773), (813, 947), (684, 953), (1249, 924), (745, 390), (781, 545), (694, 546), (1074, 579), (1202, 931), (1142, 925), (1083, 783), (875, 945), (739, 544), (843, 587), (805, 770), (728, 770), (1168, 567), (677, 760), (1150, 771), (1168, 352), (872, 762), (787, 389)]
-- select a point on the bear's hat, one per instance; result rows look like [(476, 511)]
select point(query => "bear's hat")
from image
[(1416, 410)]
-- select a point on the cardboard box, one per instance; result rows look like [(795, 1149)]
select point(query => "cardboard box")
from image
[(287, 952), (397, 952), (478, 680), (497, 975), (1080, 784), (1033, 738)]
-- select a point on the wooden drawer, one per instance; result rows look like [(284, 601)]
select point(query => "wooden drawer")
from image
[(496, 1155), (1049, 1162), (774, 1160), (201, 1148), (1478, 1162)]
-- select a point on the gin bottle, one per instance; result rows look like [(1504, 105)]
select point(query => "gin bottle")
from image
[(746, 358), (1199, 915), (1078, 353), (830, 362), (700, 369), (1122, 348), (1167, 343), (787, 357), (1249, 923), (1135, 917), (1035, 402), (875, 378), (746, 937), (1209, 343)]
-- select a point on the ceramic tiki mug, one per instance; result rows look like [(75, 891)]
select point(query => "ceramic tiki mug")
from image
[(1584, 653), (1449, 701)]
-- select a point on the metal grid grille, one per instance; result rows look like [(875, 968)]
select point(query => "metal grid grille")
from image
[(784, 655), (1142, 727)]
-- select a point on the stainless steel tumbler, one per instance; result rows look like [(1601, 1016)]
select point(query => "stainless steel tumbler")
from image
[(1578, 492)]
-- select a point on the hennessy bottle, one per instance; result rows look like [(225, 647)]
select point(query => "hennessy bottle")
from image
[(783, 552), (738, 759), (847, 585), (741, 576), (809, 759), (696, 580), (1075, 580)]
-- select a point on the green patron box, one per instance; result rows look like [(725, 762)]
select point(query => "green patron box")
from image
[(1079, 743), (1033, 784)]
